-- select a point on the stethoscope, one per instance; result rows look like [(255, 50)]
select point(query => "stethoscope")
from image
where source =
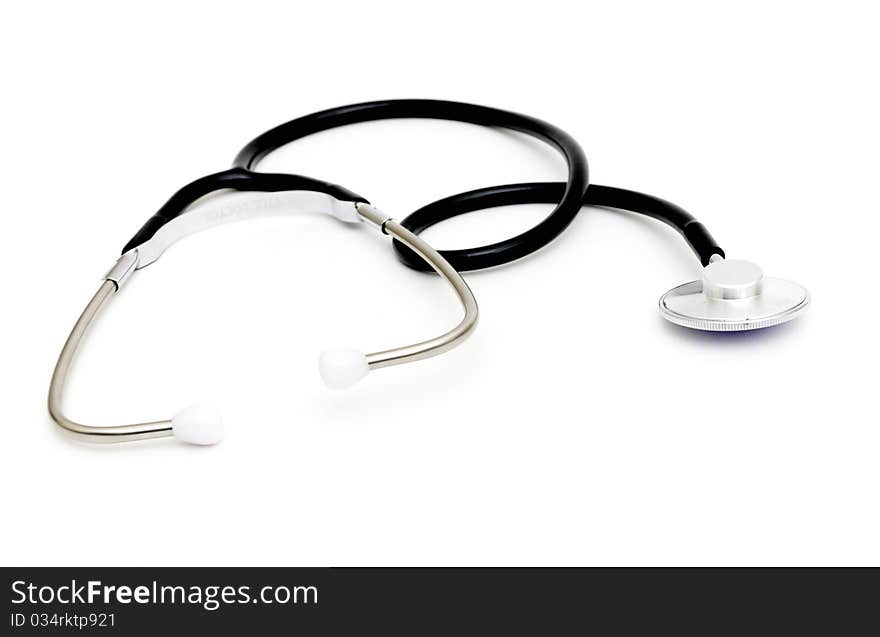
[(731, 295)]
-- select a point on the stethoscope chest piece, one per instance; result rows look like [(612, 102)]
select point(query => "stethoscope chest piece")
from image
[(733, 296)]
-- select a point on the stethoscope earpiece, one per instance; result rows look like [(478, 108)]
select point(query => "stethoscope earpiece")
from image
[(199, 424), (733, 296), (342, 368)]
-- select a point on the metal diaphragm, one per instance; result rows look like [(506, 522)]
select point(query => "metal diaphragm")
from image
[(733, 296)]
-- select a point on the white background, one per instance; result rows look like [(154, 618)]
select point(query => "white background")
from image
[(575, 427)]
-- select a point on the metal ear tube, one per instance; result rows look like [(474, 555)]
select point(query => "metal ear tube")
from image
[(202, 424)]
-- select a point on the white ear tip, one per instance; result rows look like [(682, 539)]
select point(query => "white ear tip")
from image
[(341, 368), (199, 424)]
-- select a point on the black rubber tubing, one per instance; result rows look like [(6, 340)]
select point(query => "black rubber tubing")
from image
[(242, 176), (568, 196), (694, 232)]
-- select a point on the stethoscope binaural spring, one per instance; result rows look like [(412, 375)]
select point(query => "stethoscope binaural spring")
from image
[(732, 295)]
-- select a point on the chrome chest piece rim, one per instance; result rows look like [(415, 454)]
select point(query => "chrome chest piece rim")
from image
[(733, 296)]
